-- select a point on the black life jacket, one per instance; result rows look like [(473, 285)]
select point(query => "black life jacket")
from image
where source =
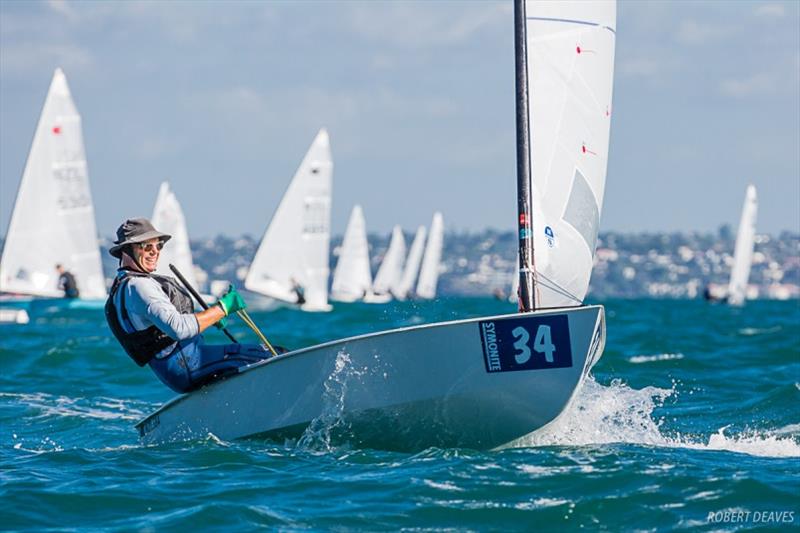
[(142, 346)]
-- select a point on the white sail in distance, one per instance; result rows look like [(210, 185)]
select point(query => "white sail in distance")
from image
[(352, 278), (412, 264), (431, 262), (295, 246), (53, 217), (570, 46), (513, 295), (168, 218), (388, 277), (743, 253)]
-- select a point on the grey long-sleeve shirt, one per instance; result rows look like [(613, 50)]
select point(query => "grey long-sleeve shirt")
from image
[(147, 305)]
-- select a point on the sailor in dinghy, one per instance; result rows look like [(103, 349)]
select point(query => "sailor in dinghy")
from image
[(153, 317)]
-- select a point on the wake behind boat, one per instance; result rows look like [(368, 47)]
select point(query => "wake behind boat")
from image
[(480, 382)]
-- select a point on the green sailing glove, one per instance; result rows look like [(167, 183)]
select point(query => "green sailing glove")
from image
[(232, 301)]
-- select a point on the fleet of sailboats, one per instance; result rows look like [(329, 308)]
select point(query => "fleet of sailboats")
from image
[(53, 216), (482, 382), (352, 279)]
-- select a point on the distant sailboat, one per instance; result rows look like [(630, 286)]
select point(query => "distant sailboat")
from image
[(387, 280), (743, 253), (429, 273), (53, 217), (168, 218), (513, 295), (352, 279), (292, 258), (412, 265)]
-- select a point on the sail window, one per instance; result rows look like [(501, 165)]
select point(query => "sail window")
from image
[(582, 212)]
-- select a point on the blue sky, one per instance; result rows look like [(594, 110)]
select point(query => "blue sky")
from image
[(223, 99)]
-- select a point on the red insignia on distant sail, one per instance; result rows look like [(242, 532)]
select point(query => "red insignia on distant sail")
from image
[(57, 130)]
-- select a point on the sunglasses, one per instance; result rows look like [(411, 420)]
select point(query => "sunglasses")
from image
[(150, 247)]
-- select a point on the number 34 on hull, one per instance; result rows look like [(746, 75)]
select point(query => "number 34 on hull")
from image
[(478, 383)]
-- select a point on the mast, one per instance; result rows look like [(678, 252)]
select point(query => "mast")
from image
[(526, 288)]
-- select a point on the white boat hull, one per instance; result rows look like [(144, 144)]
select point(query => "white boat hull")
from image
[(373, 298), (465, 383), (14, 316)]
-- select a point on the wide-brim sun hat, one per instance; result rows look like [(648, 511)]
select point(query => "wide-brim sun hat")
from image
[(135, 230)]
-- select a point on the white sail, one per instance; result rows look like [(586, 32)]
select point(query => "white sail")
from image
[(168, 218), (412, 264), (352, 278), (570, 70), (388, 277), (429, 273), (743, 254), (53, 217), (513, 295), (294, 249)]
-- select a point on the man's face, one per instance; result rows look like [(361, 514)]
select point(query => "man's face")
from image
[(147, 253)]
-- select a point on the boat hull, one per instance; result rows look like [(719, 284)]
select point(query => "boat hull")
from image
[(477, 383), (39, 305)]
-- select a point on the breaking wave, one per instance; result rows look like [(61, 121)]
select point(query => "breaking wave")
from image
[(618, 413)]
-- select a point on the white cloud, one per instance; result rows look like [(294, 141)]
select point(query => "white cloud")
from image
[(692, 32), (420, 25), (152, 148), (62, 8), (756, 84), (643, 67), (770, 10)]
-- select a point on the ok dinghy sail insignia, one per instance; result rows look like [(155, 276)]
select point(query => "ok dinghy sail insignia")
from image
[(429, 272), (482, 382), (294, 249), (743, 253), (352, 279), (168, 218), (53, 217)]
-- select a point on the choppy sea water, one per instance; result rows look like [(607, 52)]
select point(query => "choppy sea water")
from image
[(691, 420)]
